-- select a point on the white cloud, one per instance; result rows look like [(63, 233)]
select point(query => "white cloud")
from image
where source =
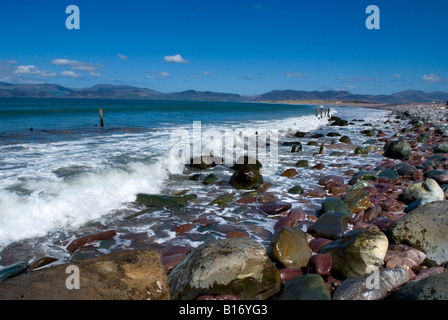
[(433, 78), (71, 74), (208, 73), (292, 74), (77, 65), (33, 70), (358, 79), (154, 74), (177, 58), (122, 57), (96, 74)]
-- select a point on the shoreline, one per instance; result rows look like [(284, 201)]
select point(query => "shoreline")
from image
[(383, 192)]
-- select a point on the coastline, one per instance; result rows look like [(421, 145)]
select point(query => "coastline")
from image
[(378, 206)]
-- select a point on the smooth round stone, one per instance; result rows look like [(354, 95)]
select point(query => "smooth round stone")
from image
[(13, 270), (336, 205), (305, 287), (275, 207), (331, 225)]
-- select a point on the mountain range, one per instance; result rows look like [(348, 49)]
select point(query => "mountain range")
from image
[(110, 91)]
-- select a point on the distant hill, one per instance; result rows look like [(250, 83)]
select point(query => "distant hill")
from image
[(110, 91)]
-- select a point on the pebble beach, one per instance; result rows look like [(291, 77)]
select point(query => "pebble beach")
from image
[(356, 211)]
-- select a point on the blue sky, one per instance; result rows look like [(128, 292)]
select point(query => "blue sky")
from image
[(245, 46)]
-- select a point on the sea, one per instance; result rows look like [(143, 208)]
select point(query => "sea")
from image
[(63, 175)]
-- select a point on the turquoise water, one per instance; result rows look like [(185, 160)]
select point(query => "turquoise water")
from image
[(58, 119)]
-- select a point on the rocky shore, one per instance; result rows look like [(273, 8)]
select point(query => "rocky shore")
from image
[(365, 232)]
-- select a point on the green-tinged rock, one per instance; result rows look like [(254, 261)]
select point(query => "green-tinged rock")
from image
[(357, 250), (389, 173), (435, 172), (370, 142), (210, 179), (363, 175), (357, 200), (442, 148), (237, 266), (397, 149), (345, 139), (336, 154), (431, 288), (361, 150), (302, 163), (359, 185), (195, 177), (424, 229), (331, 225), (176, 203), (246, 177), (296, 190), (305, 287), (336, 205), (290, 248), (371, 286), (223, 200), (13, 270)]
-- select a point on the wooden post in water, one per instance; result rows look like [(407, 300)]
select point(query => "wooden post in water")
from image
[(101, 117), (321, 112), (317, 112)]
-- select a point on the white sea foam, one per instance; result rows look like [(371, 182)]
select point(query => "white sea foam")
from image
[(46, 187)]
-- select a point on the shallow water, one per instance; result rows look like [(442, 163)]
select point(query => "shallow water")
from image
[(55, 190)]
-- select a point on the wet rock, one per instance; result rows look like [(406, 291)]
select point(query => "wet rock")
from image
[(361, 150), (363, 175), (290, 173), (357, 200), (424, 229), (290, 248), (296, 190), (357, 250), (204, 162), (12, 270), (305, 287), (223, 200), (287, 274), (338, 122), (442, 148), (400, 255), (237, 266), (397, 149), (39, 263), (318, 166), (210, 179), (389, 173), (275, 207), (362, 288), (336, 180), (320, 264), (317, 243), (246, 178), (405, 169), (125, 275), (77, 243), (245, 161), (172, 256), (177, 204), (423, 192), (330, 225), (336, 205), (285, 222), (302, 163), (345, 139), (431, 288)]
